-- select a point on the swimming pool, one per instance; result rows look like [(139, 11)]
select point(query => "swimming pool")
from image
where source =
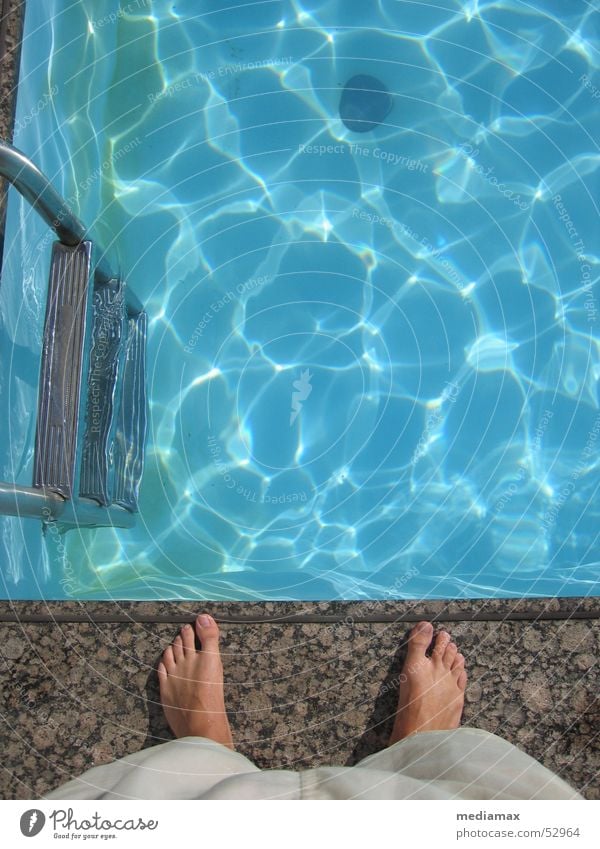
[(373, 356)]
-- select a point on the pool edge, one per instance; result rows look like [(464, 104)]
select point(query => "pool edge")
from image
[(12, 13), (285, 613)]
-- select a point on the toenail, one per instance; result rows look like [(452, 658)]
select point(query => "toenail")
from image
[(186, 627), (204, 620)]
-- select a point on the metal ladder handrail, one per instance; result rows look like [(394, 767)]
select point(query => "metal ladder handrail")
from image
[(26, 502), (35, 187), (38, 191)]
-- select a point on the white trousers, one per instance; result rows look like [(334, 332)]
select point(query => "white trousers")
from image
[(465, 763)]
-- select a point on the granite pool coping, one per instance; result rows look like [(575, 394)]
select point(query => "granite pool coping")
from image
[(306, 682)]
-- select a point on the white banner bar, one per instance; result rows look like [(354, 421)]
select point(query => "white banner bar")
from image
[(298, 824)]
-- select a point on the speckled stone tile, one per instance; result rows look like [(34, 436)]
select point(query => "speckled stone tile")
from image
[(75, 695), (11, 19), (79, 694), (155, 610)]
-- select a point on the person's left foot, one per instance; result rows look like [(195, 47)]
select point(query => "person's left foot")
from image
[(191, 684)]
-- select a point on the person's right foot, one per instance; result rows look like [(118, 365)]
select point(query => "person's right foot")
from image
[(432, 690), (191, 684)]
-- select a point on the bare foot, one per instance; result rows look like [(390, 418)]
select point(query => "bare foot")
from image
[(432, 690), (191, 684)]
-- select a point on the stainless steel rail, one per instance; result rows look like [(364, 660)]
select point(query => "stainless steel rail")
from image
[(35, 187), (39, 502), (29, 181), (29, 503)]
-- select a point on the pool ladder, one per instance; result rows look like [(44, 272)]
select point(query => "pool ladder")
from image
[(91, 413)]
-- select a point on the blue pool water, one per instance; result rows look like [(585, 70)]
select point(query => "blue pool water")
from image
[(373, 356)]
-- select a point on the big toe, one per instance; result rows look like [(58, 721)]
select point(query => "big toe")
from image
[(208, 632), (420, 638)]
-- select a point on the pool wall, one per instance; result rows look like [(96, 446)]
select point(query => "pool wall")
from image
[(127, 567)]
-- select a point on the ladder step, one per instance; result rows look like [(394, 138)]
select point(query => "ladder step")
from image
[(105, 365), (131, 420), (61, 368)]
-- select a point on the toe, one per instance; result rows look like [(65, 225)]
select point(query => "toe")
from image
[(187, 638), (208, 632), (450, 654), (462, 680), (458, 662), (169, 660), (441, 644), (162, 672), (177, 649), (420, 638)]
